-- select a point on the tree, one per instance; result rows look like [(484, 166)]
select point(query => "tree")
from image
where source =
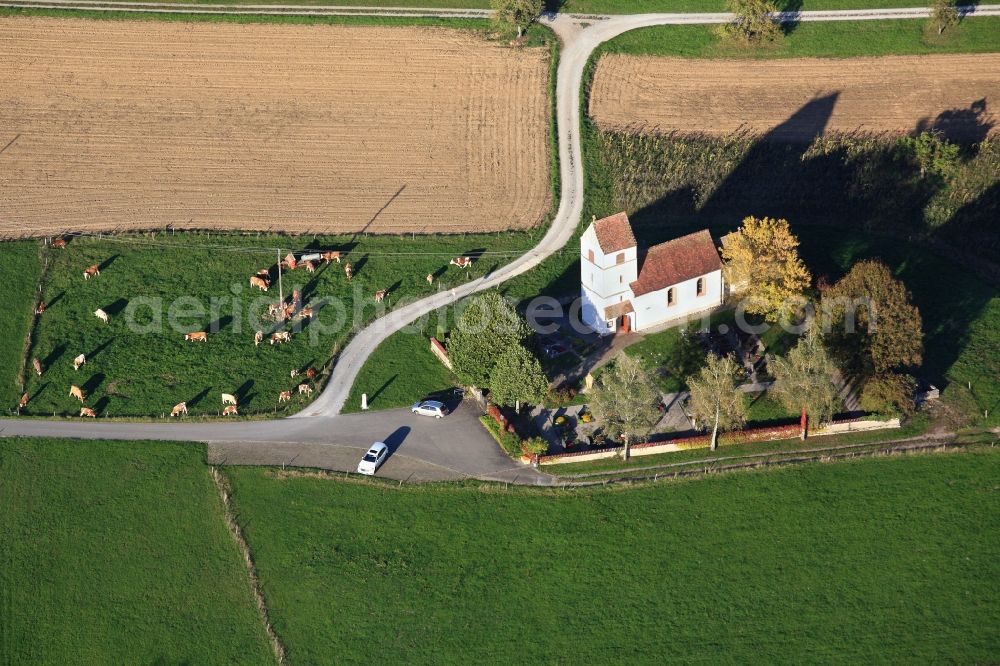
[(487, 328), (934, 155), (517, 377), (803, 379), (517, 13), (764, 254), (714, 398), (753, 23), (873, 325), (891, 393), (943, 15), (625, 401)]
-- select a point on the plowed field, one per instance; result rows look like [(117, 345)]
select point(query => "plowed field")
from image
[(798, 99), (116, 125)]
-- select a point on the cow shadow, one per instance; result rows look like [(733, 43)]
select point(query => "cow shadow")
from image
[(191, 402), (58, 297), (220, 323), (475, 254), (101, 406), (106, 264), (54, 355), (359, 264), (99, 348), (93, 382), (243, 394), (41, 390), (116, 307), (439, 272)]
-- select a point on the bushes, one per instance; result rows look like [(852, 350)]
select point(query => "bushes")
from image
[(508, 441)]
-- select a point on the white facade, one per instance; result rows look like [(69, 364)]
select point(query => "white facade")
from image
[(610, 304)]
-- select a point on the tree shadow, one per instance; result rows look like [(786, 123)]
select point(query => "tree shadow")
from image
[(791, 15), (966, 126), (116, 307)]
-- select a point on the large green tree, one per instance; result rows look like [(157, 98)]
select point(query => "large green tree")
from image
[(715, 401), (517, 377), (486, 329), (934, 155), (873, 325), (803, 379), (753, 23), (625, 401), (518, 14), (763, 256)]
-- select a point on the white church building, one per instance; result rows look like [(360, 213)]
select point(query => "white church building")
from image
[(626, 289)]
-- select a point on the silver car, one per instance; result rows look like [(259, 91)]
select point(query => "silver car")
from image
[(375, 456), (429, 408)]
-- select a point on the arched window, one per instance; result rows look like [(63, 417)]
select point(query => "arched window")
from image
[(670, 297), (701, 286)]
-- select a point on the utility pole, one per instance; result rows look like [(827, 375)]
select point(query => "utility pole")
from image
[(281, 293)]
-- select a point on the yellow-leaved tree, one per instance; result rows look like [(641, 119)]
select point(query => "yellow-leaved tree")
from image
[(762, 257)]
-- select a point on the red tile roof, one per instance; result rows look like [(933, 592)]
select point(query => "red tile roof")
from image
[(618, 310), (614, 233), (675, 261)]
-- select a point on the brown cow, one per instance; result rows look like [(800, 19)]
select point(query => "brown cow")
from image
[(380, 295), (37, 365), (23, 402), (296, 298), (91, 271), (78, 361), (275, 309), (310, 266), (40, 309), (289, 261), (258, 337), (259, 282), (264, 273), (284, 396), (311, 373), (59, 244), (197, 336), (87, 411), (76, 392), (348, 270), (231, 409), (333, 255), (430, 278), (281, 336), (179, 408), (461, 262), (288, 312), (306, 313), (305, 388)]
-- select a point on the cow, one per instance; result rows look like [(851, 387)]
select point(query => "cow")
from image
[(281, 336), (228, 399), (59, 244), (179, 408), (78, 361), (294, 373), (311, 373), (348, 270), (461, 262), (284, 396), (380, 295), (76, 392), (91, 271), (310, 266), (40, 308), (258, 337), (305, 388), (289, 261), (259, 282), (197, 336), (231, 409), (296, 298), (23, 402), (274, 310), (430, 278), (333, 255), (306, 313), (264, 273), (101, 314), (288, 312), (87, 411), (37, 365)]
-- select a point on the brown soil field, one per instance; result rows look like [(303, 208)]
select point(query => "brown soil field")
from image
[(798, 99), (114, 125)]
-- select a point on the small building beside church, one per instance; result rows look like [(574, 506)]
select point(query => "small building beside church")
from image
[(626, 289)]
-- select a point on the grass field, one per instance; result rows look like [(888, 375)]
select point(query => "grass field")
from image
[(874, 560), (20, 269), (146, 368), (116, 552)]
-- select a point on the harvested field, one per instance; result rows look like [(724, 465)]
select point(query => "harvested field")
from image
[(305, 128), (798, 99)]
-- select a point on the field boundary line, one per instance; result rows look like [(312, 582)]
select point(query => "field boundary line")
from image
[(225, 494), (29, 341)]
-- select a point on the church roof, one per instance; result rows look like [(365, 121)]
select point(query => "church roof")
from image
[(675, 261), (614, 233)]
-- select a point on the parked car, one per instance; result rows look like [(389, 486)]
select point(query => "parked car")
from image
[(429, 408), (375, 456), (554, 349)]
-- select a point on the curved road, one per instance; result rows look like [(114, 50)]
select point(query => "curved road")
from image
[(423, 449)]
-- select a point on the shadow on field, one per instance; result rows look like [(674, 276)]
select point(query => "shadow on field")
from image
[(101, 406), (116, 307), (99, 348), (106, 264), (220, 323), (58, 297), (93, 382), (191, 402), (969, 126), (54, 355), (243, 395), (374, 396)]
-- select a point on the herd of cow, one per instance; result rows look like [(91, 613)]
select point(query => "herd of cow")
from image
[(277, 311)]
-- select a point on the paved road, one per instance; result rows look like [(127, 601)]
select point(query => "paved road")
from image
[(459, 447)]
